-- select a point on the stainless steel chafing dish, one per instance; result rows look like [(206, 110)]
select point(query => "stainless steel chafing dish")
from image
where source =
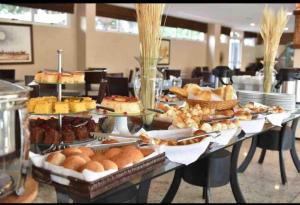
[(14, 138)]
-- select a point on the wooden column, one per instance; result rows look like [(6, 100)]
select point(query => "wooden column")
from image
[(296, 40)]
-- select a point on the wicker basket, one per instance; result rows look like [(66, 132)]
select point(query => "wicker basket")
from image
[(218, 105)]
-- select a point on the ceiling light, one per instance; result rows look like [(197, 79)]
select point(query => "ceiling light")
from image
[(286, 28), (252, 24), (289, 13), (277, 187)]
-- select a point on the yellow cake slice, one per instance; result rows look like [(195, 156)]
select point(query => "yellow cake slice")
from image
[(77, 106), (78, 77), (43, 107), (61, 107), (90, 104), (66, 78)]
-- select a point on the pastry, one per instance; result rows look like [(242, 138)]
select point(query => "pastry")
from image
[(43, 107), (89, 104), (98, 157), (61, 107), (134, 154), (110, 153), (110, 141), (122, 104), (108, 164), (206, 127), (68, 135), (122, 161), (73, 162), (71, 150), (78, 77), (52, 136), (66, 78), (219, 92), (56, 158), (77, 106), (229, 93), (84, 156), (92, 166), (179, 91), (49, 77), (81, 133), (146, 151), (241, 115), (87, 151), (37, 135)]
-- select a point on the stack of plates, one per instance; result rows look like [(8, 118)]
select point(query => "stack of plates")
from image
[(287, 101), (246, 96)]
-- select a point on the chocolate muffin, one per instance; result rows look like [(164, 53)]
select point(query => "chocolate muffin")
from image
[(52, 136), (81, 133), (37, 135), (68, 135)]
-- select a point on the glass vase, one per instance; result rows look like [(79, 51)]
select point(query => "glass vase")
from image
[(151, 82)]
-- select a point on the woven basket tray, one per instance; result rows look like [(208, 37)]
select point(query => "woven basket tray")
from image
[(89, 190), (218, 105)]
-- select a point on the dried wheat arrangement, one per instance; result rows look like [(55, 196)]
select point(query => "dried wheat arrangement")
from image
[(149, 18), (271, 29)]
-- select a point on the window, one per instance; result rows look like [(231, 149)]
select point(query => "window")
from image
[(12, 12), (223, 38), (118, 25), (249, 42), (234, 53)]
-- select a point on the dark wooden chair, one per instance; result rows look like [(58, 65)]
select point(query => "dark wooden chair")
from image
[(116, 75), (102, 90), (28, 79), (98, 69), (130, 80), (7, 74), (196, 73), (205, 68), (172, 72), (117, 86), (93, 77), (191, 80)]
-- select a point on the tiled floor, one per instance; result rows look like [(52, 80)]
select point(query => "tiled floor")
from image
[(259, 183)]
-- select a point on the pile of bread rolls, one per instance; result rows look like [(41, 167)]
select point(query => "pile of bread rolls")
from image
[(81, 158), (195, 92)]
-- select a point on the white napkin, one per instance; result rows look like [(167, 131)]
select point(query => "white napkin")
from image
[(253, 126), (184, 154), (225, 136), (277, 118)]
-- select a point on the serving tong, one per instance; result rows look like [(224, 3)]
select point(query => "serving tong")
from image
[(55, 147)]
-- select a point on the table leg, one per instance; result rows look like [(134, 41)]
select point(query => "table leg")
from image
[(295, 157), (239, 198), (249, 156), (168, 198), (143, 191)]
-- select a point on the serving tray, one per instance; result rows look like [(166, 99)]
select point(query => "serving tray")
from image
[(89, 190)]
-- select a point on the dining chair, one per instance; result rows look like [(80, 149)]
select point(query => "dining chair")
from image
[(7, 74), (191, 80), (196, 73), (93, 79), (205, 68), (277, 139), (118, 75), (117, 86), (172, 72), (28, 79), (130, 80)]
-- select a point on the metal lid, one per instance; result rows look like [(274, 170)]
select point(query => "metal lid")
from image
[(8, 88), (222, 71)]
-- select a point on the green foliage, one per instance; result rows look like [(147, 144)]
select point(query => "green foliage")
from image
[(5, 8)]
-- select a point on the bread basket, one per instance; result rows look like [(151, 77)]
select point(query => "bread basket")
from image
[(218, 105)]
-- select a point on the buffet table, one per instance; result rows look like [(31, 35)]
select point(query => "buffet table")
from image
[(144, 180)]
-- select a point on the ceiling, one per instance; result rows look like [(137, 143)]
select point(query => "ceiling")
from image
[(237, 16)]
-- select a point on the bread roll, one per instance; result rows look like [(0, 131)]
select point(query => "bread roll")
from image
[(206, 127), (108, 164), (110, 153), (85, 157), (73, 162), (219, 92), (71, 150), (129, 147), (98, 157), (92, 166), (122, 160), (56, 158), (87, 151), (146, 151), (133, 153)]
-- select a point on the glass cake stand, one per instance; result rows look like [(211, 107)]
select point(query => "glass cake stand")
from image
[(121, 120)]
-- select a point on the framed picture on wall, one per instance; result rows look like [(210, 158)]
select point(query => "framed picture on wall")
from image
[(164, 52), (16, 43)]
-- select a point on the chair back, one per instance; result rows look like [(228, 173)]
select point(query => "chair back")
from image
[(205, 68), (196, 73), (191, 80), (118, 86), (28, 79), (7, 74), (172, 72), (102, 90), (116, 75), (93, 77)]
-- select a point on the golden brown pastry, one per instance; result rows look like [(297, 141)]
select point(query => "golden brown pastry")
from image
[(87, 151), (241, 115), (71, 150), (206, 127), (146, 151), (133, 153), (108, 164), (229, 93), (110, 153), (98, 157), (92, 166), (179, 91), (219, 92), (122, 160), (84, 156), (73, 162), (56, 158)]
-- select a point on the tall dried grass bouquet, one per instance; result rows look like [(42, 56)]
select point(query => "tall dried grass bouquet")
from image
[(271, 29), (149, 18)]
